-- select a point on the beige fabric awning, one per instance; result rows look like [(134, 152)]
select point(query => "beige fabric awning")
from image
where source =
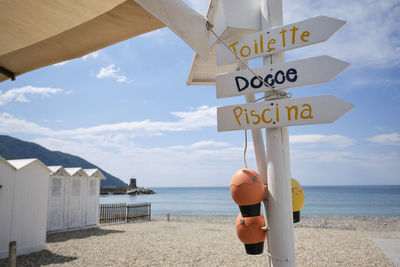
[(38, 33)]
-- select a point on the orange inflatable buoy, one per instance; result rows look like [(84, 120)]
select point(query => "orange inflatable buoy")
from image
[(250, 232), (247, 191), (247, 187)]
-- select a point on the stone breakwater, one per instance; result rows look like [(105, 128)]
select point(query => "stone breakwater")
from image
[(125, 190), (140, 191)]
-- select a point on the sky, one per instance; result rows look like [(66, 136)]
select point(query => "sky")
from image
[(127, 108)]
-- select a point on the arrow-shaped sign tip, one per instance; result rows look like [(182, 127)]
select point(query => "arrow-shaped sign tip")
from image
[(338, 22), (336, 66), (341, 106), (333, 23)]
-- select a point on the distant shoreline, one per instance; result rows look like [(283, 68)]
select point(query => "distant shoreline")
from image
[(227, 186)]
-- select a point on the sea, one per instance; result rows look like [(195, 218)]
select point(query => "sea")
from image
[(374, 200)]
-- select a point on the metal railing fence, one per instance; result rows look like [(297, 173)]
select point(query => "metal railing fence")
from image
[(121, 212)]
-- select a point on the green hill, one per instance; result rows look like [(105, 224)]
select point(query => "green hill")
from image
[(12, 148)]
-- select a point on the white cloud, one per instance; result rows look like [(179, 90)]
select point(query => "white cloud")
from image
[(112, 72), (201, 163), (367, 162), (61, 63), (161, 37), (93, 55), (187, 121), (21, 94), (372, 82), (206, 163), (392, 139), (158, 166), (201, 117), (112, 146), (203, 144), (369, 38), (336, 140), (345, 167), (10, 124)]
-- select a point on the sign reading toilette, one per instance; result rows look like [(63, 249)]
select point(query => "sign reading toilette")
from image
[(279, 39)]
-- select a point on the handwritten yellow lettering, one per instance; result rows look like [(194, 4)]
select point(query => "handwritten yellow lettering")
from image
[(289, 109), (261, 43), (270, 42), (247, 116), (263, 116), (237, 116), (248, 51), (277, 112), (303, 35), (293, 30), (283, 36), (233, 46), (308, 110), (254, 114)]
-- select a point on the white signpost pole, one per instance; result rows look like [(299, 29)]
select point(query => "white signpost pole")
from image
[(278, 206)]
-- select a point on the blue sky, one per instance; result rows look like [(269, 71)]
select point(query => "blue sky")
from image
[(127, 107)]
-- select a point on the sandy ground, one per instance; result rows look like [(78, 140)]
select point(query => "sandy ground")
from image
[(212, 241)]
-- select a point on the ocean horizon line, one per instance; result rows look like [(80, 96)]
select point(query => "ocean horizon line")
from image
[(223, 186)]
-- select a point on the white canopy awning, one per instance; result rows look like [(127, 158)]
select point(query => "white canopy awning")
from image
[(34, 34), (38, 33)]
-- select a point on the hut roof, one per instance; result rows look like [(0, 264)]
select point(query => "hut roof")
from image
[(22, 163), (58, 170), (95, 173), (77, 172)]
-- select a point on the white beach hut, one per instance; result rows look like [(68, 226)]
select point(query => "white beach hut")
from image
[(76, 203), (73, 198), (92, 197), (57, 205), (23, 208), (7, 183)]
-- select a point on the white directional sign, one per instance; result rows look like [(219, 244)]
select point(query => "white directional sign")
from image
[(291, 74), (282, 38), (282, 112)]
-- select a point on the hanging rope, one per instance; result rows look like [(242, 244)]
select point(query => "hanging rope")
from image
[(245, 148), (276, 92)]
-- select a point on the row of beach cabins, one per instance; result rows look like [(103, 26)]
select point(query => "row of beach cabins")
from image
[(36, 199)]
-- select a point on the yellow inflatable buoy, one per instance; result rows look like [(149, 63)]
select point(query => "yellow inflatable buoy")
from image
[(297, 200)]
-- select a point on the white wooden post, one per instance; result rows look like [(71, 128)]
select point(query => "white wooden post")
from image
[(278, 207)]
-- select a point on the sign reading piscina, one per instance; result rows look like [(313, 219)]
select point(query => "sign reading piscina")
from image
[(282, 112)]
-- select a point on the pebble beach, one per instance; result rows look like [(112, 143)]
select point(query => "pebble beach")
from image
[(212, 241)]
